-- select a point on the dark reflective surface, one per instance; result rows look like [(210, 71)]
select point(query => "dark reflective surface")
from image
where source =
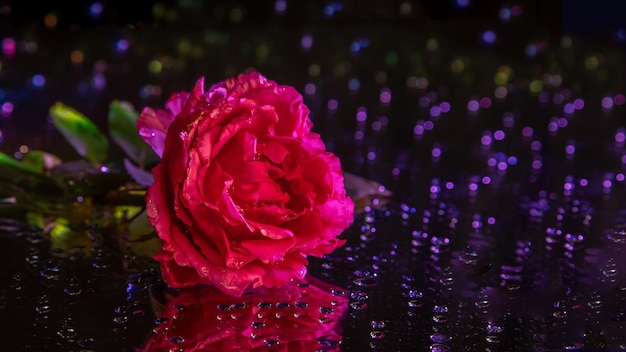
[(506, 159)]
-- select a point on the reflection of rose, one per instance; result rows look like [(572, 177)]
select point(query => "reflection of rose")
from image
[(295, 317), (244, 191)]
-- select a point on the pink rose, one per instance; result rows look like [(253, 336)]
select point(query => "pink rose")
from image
[(244, 191)]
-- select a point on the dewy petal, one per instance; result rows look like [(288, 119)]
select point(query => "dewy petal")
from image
[(176, 102), (174, 274), (294, 115), (152, 126), (269, 250)]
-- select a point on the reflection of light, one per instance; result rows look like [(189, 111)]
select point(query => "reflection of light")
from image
[(472, 105), (280, 6), (38, 81), (7, 107), (619, 177), (553, 126), (570, 149), (462, 3), (95, 9), (8, 46), (505, 14), (499, 135), (444, 107), (619, 99), (607, 102), (385, 96), (76, 56), (583, 182), (579, 104), (527, 131), (309, 88), (435, 111), (536, 164), (121, 45), (332, 104), (307, 41), (568, 108), (361, 114), (489, 37), (535, 145), (354, 84), (512, 160), (98, 81), (500, 92)]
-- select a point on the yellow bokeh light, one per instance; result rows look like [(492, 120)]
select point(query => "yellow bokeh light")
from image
[(432, 44), (184, 46), (536, 86), (457, 66), (158, 10), (262, 51), (236, 15), (77, 56), (24, 149), (592, 63), (500, 78), (314, 70), (50, 20), (155, 66)]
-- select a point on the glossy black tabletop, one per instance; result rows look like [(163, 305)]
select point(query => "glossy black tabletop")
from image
[(499, 128)]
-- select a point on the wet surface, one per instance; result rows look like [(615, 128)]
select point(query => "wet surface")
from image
[(506, 230)]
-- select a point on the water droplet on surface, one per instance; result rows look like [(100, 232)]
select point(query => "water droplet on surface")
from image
[(439, 347), (146, 133), (493, 329), (364, 282), (51, 270), (67, 333), (439, 337), (441, 319), (177, 339), (329, 340), (378, 324), (87, 343), (271, 342), (617, 234), (377, 334), (492, 339)]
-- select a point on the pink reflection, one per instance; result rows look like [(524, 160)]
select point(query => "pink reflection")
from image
[(301, 316)]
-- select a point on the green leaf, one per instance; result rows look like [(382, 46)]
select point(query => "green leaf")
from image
[(26, 176), (40, 160), (80, 132), (123, 131), (142, 237), (7, 161)]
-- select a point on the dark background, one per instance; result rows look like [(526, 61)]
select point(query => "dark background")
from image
[(438, 244)]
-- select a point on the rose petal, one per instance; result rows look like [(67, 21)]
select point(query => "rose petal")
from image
[(270, 250)]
